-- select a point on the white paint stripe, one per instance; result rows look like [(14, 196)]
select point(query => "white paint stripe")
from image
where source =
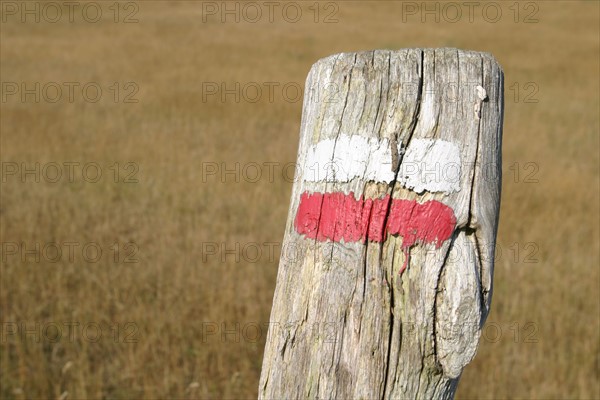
[(349, 157), (431, 165)]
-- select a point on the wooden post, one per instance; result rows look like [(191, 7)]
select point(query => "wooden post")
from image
[(385, 277)]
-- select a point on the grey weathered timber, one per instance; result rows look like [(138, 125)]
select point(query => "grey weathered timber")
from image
[(345, 323)]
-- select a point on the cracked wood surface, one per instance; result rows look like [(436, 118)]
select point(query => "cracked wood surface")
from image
[(345, 323)]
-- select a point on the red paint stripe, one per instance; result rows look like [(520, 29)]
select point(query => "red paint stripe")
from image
[(337, 217)]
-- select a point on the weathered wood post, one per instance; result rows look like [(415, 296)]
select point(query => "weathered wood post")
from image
[(385, 277)]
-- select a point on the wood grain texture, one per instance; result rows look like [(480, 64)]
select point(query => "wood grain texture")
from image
[(345, 324)]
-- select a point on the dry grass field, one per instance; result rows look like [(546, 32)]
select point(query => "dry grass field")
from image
[(180, 321)]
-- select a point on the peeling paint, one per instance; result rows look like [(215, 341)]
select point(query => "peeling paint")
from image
[(341, 217), (350, 157), (431, 165)]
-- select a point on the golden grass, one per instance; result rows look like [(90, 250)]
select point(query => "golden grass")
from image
[(171, 293)]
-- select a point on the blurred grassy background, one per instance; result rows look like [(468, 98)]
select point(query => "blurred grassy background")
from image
[(542, 336)]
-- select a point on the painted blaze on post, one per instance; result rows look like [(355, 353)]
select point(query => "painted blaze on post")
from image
[(341, 217), (387, 170)]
